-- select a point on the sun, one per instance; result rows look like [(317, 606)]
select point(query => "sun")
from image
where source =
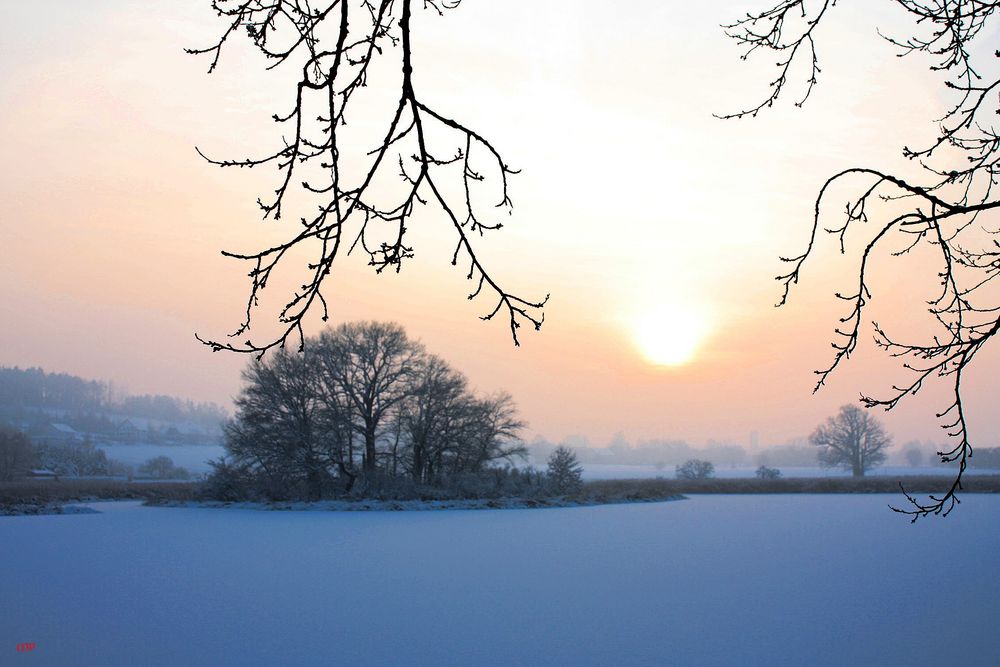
[(670, 335)]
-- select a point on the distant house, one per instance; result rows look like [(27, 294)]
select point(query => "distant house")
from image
[(127, 431), (59, 434)]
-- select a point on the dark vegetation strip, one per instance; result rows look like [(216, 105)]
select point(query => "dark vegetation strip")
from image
[(78, 490), (646, 488), (40, 493)]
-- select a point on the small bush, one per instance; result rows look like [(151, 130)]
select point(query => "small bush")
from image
[(162, 467), (564, 472), (695, 469), (764, 472)]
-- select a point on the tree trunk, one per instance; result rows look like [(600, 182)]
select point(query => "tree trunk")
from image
[(347, 474), (369, 462), (418, 463), (315, 482)]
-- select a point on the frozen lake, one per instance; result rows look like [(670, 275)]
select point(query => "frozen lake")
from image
[(713, 580)]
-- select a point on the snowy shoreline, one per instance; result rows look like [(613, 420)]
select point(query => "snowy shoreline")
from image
[(407, 505), (84, 506), (46, 509)]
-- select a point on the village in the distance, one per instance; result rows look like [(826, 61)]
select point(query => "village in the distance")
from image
[(89, 429)]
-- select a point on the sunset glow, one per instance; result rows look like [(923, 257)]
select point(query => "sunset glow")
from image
[(655, 226), (670, 336)]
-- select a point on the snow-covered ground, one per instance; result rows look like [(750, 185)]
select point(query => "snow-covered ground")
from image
[(713, 580), (612, 471), (193, 457)]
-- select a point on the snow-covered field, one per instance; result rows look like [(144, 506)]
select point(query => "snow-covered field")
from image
[(193, 457), (713, 580)]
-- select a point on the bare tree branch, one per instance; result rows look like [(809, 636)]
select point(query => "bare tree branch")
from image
[(949, 209), (337, 44)]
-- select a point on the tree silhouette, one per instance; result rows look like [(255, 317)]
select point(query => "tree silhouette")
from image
[(351, 194), (16, 454), (947, 208), (852, 439), (695, 469), (564, 471), (363, 402)]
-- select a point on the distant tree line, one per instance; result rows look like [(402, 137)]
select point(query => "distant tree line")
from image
[(670, 453), (365, 410), (985, 457), (865, 445), (91, 402), (662, 453), (19, 456)]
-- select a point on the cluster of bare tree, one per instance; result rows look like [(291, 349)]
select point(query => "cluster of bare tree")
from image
[(363, 403)]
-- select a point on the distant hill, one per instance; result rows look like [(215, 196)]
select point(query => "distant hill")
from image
[(34, 400)]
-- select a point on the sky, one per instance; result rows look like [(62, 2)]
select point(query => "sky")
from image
[(655, 226)]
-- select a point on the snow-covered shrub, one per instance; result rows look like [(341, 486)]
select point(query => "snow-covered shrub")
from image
[(564, 472), (73, 459), (764, 472), (162, 467), (695, 469)]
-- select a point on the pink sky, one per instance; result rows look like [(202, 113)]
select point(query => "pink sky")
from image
[(632, 199)]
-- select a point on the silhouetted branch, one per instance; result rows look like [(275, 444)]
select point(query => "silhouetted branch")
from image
[(961, 165), (336, 44)]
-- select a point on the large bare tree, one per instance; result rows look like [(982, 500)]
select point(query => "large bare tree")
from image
[(852, 439), (432, 416), (372, 366), (350, 197), (282, 427), (949, 208)]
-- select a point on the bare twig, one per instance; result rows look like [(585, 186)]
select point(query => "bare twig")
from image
[(336, 43), (945, 211)]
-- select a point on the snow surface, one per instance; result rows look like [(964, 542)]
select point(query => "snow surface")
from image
[(193, 457), (713, 580)]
